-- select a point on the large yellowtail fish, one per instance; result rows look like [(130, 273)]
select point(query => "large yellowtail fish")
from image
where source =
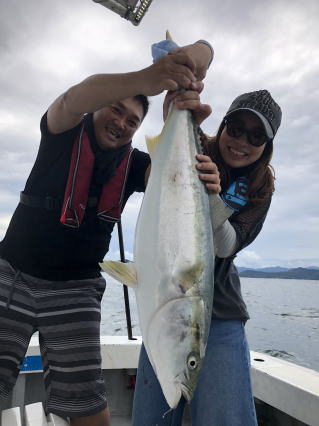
[(173, 268)]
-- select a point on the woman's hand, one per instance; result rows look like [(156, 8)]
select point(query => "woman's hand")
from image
[(188, 99), (208, 173)]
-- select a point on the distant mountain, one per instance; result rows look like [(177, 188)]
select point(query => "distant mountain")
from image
[(241, 268), (294, 273), (273, 269), (269, 269)]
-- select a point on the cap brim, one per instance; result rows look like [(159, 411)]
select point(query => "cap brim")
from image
[(269, 131)]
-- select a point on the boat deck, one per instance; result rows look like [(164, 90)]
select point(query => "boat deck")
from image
[(33, 415), (126, 421), (285, 394)]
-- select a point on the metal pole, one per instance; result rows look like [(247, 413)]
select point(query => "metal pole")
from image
[(125, 290)]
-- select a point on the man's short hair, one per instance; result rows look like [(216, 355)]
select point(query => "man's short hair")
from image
[(143, 100)]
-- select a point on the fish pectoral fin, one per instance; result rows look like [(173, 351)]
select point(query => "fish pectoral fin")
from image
[(152, 144), (125, 273)]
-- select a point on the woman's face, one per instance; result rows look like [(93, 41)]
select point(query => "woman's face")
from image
[(238, 152)]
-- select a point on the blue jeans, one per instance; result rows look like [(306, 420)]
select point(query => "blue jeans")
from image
[(223, 396)]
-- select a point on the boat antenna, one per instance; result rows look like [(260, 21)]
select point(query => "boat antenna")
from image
[(132, 10), (125, 290)]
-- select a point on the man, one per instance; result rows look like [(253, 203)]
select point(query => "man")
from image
[(50, 279)]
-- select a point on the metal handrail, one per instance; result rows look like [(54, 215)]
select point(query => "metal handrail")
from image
[(125, 290)]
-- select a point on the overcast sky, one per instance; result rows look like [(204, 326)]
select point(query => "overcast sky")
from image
[(46, 46)]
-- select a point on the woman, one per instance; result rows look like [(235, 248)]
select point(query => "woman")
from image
[(236, 165)]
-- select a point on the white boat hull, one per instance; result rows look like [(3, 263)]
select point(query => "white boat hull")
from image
[(286, 393)]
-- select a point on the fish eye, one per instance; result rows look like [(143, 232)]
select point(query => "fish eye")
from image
[(192, 362)]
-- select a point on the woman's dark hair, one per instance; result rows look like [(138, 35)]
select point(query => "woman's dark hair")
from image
[(143, 100), (261, 176)]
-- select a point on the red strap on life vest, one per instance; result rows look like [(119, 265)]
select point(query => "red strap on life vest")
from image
[(111, 201), (78, 183), (79, 180)]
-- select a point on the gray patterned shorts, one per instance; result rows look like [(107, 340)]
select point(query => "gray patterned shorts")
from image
[(67, 316)]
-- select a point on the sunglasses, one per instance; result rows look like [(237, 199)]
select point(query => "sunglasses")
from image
[(255, 137)]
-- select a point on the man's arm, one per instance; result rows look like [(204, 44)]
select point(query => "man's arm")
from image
[(101, 90)]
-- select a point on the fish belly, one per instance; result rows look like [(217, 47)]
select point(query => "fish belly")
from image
[(173, 250)]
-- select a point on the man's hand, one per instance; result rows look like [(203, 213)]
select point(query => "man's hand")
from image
[(201, 55), (168, 73), (189, 99)]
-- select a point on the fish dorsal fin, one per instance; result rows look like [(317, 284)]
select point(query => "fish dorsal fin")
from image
[(152, 144), (125, 273), (168, 36)]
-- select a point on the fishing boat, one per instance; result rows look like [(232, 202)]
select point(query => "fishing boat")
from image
[(285, 394)]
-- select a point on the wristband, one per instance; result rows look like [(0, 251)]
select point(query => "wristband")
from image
[(162, 48)]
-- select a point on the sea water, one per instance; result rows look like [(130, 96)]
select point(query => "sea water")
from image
[(284, 317)]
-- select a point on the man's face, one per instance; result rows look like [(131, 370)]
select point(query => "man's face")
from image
[(116, 124)]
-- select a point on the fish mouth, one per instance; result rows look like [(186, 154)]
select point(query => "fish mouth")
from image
[(186, 392), (181, 381), (172, 394)]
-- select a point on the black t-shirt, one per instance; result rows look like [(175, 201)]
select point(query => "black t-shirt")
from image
[(36, 242), (228, 299)]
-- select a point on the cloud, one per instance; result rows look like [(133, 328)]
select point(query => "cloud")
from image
[(248, 257), (45, 47)]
